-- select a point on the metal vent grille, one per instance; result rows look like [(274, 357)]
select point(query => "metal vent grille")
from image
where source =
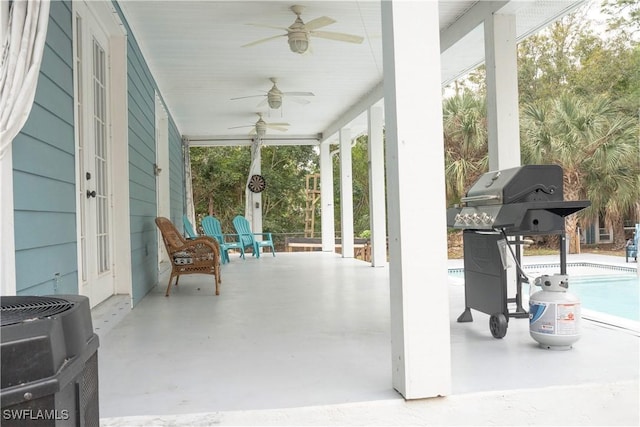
[(89, 407), (22, 309)]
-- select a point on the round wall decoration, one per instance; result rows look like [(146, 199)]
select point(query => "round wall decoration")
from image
[(257, 183)]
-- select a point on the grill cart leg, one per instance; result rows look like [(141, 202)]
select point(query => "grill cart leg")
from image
[(465, 316)]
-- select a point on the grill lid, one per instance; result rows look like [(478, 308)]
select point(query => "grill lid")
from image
[(522, 200), (529, 183)]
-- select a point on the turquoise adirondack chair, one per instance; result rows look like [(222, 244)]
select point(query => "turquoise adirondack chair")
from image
[(188, 228), (212, 228), (248, 238)]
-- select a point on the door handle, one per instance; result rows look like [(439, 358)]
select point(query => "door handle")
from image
[(91, 194)]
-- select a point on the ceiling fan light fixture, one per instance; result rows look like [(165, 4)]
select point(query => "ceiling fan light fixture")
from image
[(261, 128), (298, 41), (275, 102)]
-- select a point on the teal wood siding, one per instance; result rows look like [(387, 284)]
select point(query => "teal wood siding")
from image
[(142, 187), (44, 172), (142, 156)]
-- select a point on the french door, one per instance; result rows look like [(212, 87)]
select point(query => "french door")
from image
[(94, 158)]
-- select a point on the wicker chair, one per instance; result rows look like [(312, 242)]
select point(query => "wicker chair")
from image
[(193, 256)]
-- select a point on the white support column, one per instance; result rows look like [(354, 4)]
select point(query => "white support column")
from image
[(327, 209), (419, 291), (256, 198), (346, 194), (4, 19), (8, 254), (502, 91), (376, 189)]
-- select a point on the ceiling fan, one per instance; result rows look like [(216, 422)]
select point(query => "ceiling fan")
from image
[(275, 95), (260, 127), (298, 33)]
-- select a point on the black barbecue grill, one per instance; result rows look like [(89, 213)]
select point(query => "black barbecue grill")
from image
[(500, 208)]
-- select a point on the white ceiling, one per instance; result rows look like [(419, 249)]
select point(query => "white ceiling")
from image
[(193, 49)]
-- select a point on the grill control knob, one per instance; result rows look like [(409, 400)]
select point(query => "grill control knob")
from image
[(466, 218), (458, 218), (475, 218), (486, 218)]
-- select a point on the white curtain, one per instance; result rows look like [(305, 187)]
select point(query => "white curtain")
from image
[(23, 32), (188, 185), (21, 58)]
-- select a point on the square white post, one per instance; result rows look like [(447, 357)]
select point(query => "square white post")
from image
[(346, 194), (502, 91), (7, 234), (256, 198), (377, 200), (419, 290), (327, 209)]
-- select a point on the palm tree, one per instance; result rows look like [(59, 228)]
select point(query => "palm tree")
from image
[(613, 181), (597, 149), (465, 142)]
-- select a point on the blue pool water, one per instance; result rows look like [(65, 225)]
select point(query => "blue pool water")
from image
[(616, 295), (613, 294)]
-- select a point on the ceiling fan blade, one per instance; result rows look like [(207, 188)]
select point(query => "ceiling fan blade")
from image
[(278, 124), (253, 24), (245, 97), (263, 40), (280, 128), (243, 126), (298, 93), (301, 100), (342, 37), (320, 22)]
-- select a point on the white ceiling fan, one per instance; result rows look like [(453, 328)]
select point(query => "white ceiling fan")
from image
[(260, 127), (275, 95), (299, 33)]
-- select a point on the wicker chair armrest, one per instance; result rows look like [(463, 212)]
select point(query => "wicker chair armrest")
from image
[(194, 244)]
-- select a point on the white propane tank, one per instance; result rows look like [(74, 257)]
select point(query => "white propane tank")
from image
[(554, 313)]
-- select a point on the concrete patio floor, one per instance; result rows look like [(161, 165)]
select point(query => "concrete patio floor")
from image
[(303, 339)]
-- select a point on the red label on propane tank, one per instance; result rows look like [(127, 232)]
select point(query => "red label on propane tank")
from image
[(551, 318)]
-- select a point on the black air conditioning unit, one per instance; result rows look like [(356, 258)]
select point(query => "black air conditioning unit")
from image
[(49, 362)]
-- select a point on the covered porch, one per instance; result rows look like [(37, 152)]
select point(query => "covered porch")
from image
[(304, 338), (289, 331)]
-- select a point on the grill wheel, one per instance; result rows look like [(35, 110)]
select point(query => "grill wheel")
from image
[(498, 325)]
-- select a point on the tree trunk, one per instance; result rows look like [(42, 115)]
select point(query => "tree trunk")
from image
[(617, 223), (571, 192), (571, 230)]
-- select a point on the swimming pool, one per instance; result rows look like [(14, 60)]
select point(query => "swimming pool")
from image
[(616, 295), (606, 289)]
